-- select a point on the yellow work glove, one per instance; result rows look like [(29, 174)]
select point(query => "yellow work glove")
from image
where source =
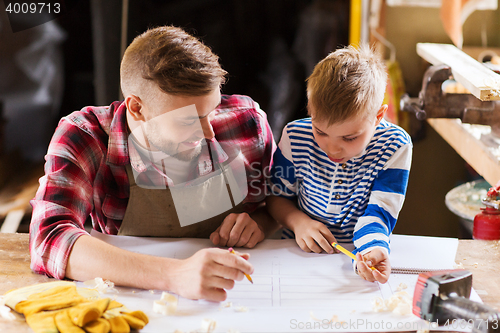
[(65, 324), (53, 299), (40, 309), (121, 319), (43, 322), (84, 313), (58, 307)]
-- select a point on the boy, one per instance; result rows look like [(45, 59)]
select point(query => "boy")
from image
[(341, 175)]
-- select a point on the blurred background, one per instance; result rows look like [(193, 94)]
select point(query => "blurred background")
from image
[(268, 47)]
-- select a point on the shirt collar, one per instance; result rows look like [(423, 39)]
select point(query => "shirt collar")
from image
[(118, 152)]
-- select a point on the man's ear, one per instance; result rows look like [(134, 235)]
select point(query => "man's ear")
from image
[(381, 113), (134, 107)]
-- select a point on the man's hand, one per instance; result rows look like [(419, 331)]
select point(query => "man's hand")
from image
[(208, 274), (314, 236), (378, 258), (238, 230), (204, 275)]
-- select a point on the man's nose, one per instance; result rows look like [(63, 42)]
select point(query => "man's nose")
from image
[(208, 130)]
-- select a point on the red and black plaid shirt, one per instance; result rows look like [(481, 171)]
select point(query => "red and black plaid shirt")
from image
[(85, 174)]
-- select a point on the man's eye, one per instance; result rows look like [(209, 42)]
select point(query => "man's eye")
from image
[(187, 123), (350, 139)]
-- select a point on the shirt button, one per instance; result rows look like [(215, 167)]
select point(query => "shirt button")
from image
[(344, 166), (339, 181), (337, 197)]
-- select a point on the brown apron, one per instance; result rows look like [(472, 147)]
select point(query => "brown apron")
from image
[(152, 212)]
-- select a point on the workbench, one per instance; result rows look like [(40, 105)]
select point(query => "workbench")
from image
[(482, 258), (480, 154), (480, 149)]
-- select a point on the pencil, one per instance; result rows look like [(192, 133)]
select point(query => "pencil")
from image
[(346, 252), (247, 276)]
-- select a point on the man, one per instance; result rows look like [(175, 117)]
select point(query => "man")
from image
[(142, 167)]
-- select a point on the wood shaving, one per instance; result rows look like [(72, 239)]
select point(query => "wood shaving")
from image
[(494, 85), (102, 286), (313, 317), (208, 325), (166, 305), (334, 319), (458, 266), (227, 304), (401, 286), (400, 303), (241, 309), (424, 330)]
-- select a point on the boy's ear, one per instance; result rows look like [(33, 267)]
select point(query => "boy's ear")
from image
[(134, 107), (381, 113)]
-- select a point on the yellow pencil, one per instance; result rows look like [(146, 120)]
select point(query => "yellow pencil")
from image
[(247, 276), (346, 252)]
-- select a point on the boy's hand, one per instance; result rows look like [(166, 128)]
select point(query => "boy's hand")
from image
[(378, 258), (314, 236)]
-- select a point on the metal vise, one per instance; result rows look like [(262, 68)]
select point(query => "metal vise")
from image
[(432, 102)]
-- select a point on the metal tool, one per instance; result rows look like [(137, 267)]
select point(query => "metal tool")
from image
[(442, 296), (487, 223), (433, 102)]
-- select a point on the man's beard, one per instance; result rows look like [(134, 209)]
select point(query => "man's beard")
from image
[(188, 154), (172, 149)]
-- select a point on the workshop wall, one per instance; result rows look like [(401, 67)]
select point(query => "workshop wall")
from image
[(436, 168), (268, 47), (407, 26)]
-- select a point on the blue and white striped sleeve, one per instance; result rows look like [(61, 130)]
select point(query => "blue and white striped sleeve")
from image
[(386, 200), (283, 179)]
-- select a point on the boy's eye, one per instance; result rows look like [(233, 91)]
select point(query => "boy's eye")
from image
[(349, 139), (319, 132)]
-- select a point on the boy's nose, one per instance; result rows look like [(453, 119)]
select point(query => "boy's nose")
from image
[(334, 150)]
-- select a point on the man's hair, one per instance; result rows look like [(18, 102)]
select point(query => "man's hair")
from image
[(347, 83), (176, 62)]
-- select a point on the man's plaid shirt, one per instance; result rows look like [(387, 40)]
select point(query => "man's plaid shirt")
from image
[(85, 174)]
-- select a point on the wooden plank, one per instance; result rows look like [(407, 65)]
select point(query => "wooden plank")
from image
[(472, 150), (481, 81), (12, 221)]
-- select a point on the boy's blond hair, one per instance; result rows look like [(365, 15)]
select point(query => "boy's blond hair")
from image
[(347, 83)]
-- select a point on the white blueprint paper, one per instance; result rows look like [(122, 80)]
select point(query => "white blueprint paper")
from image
[(293, 291)]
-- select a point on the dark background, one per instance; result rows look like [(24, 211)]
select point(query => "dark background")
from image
[(267, 46)]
